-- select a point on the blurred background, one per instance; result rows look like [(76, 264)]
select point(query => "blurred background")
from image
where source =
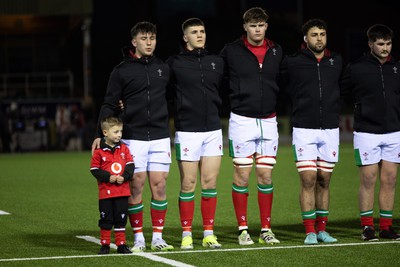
[(56, 55)]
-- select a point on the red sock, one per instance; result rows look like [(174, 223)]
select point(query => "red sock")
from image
[(321, 223), (120, 237), (385, 223), (265, 206), (186, 211), (105, 236), (158, 219), (240, 205), (309, 225), (367, 221), (136, 219), (208, 207)]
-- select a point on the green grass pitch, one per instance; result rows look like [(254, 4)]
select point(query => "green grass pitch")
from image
[(52, 199)]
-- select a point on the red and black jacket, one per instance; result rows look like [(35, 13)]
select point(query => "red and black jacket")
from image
[(253, 90), (196, 79), (376, 91), (107, 161), (314, 88), (141, 83)]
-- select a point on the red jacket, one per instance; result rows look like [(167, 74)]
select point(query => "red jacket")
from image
[(107, 161)]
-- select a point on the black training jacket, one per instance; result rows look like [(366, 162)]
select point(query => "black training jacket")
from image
[(252, 90), (141, 84), (376, 91), (314, 88), (196, 80)]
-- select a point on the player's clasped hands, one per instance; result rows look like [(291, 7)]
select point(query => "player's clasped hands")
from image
[(116, 178)]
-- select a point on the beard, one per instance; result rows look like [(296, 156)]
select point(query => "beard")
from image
[(317, 48)]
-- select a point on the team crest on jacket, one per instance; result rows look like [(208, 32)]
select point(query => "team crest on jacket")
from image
[(122, 155), (159, 72), (274, 51), (331, 60), (394, 70), (213, 65)]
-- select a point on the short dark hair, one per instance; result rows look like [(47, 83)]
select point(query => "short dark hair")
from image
[(255, 14), (111, 121), (379, 31), (191, 22), (319, 23), (143, 27)]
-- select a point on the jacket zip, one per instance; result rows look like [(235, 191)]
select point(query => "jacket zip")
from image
[(204, 89), (383, 89), (320, 96), (148, 99)]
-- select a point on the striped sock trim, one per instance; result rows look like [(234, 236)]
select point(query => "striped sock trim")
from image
[(186, 197), (240, 189), (386, 214), (308, 214), (322, 213), (366, 213), (265, 188), (136, 208), (159, 204), (209, 192)]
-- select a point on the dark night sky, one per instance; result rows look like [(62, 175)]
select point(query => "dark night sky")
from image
[(347, 24)]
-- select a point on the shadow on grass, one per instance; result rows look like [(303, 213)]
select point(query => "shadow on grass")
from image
[(66, 241), (346, 231)]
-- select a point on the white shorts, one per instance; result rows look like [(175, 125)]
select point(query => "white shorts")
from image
[(150, 155), (251, 135), (190, 146), (372, 148), (313, 144)]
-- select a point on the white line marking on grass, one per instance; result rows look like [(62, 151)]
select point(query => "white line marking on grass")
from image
[(280, 247), (94, 240), (144, 255), (152, 255), (2, 212)]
